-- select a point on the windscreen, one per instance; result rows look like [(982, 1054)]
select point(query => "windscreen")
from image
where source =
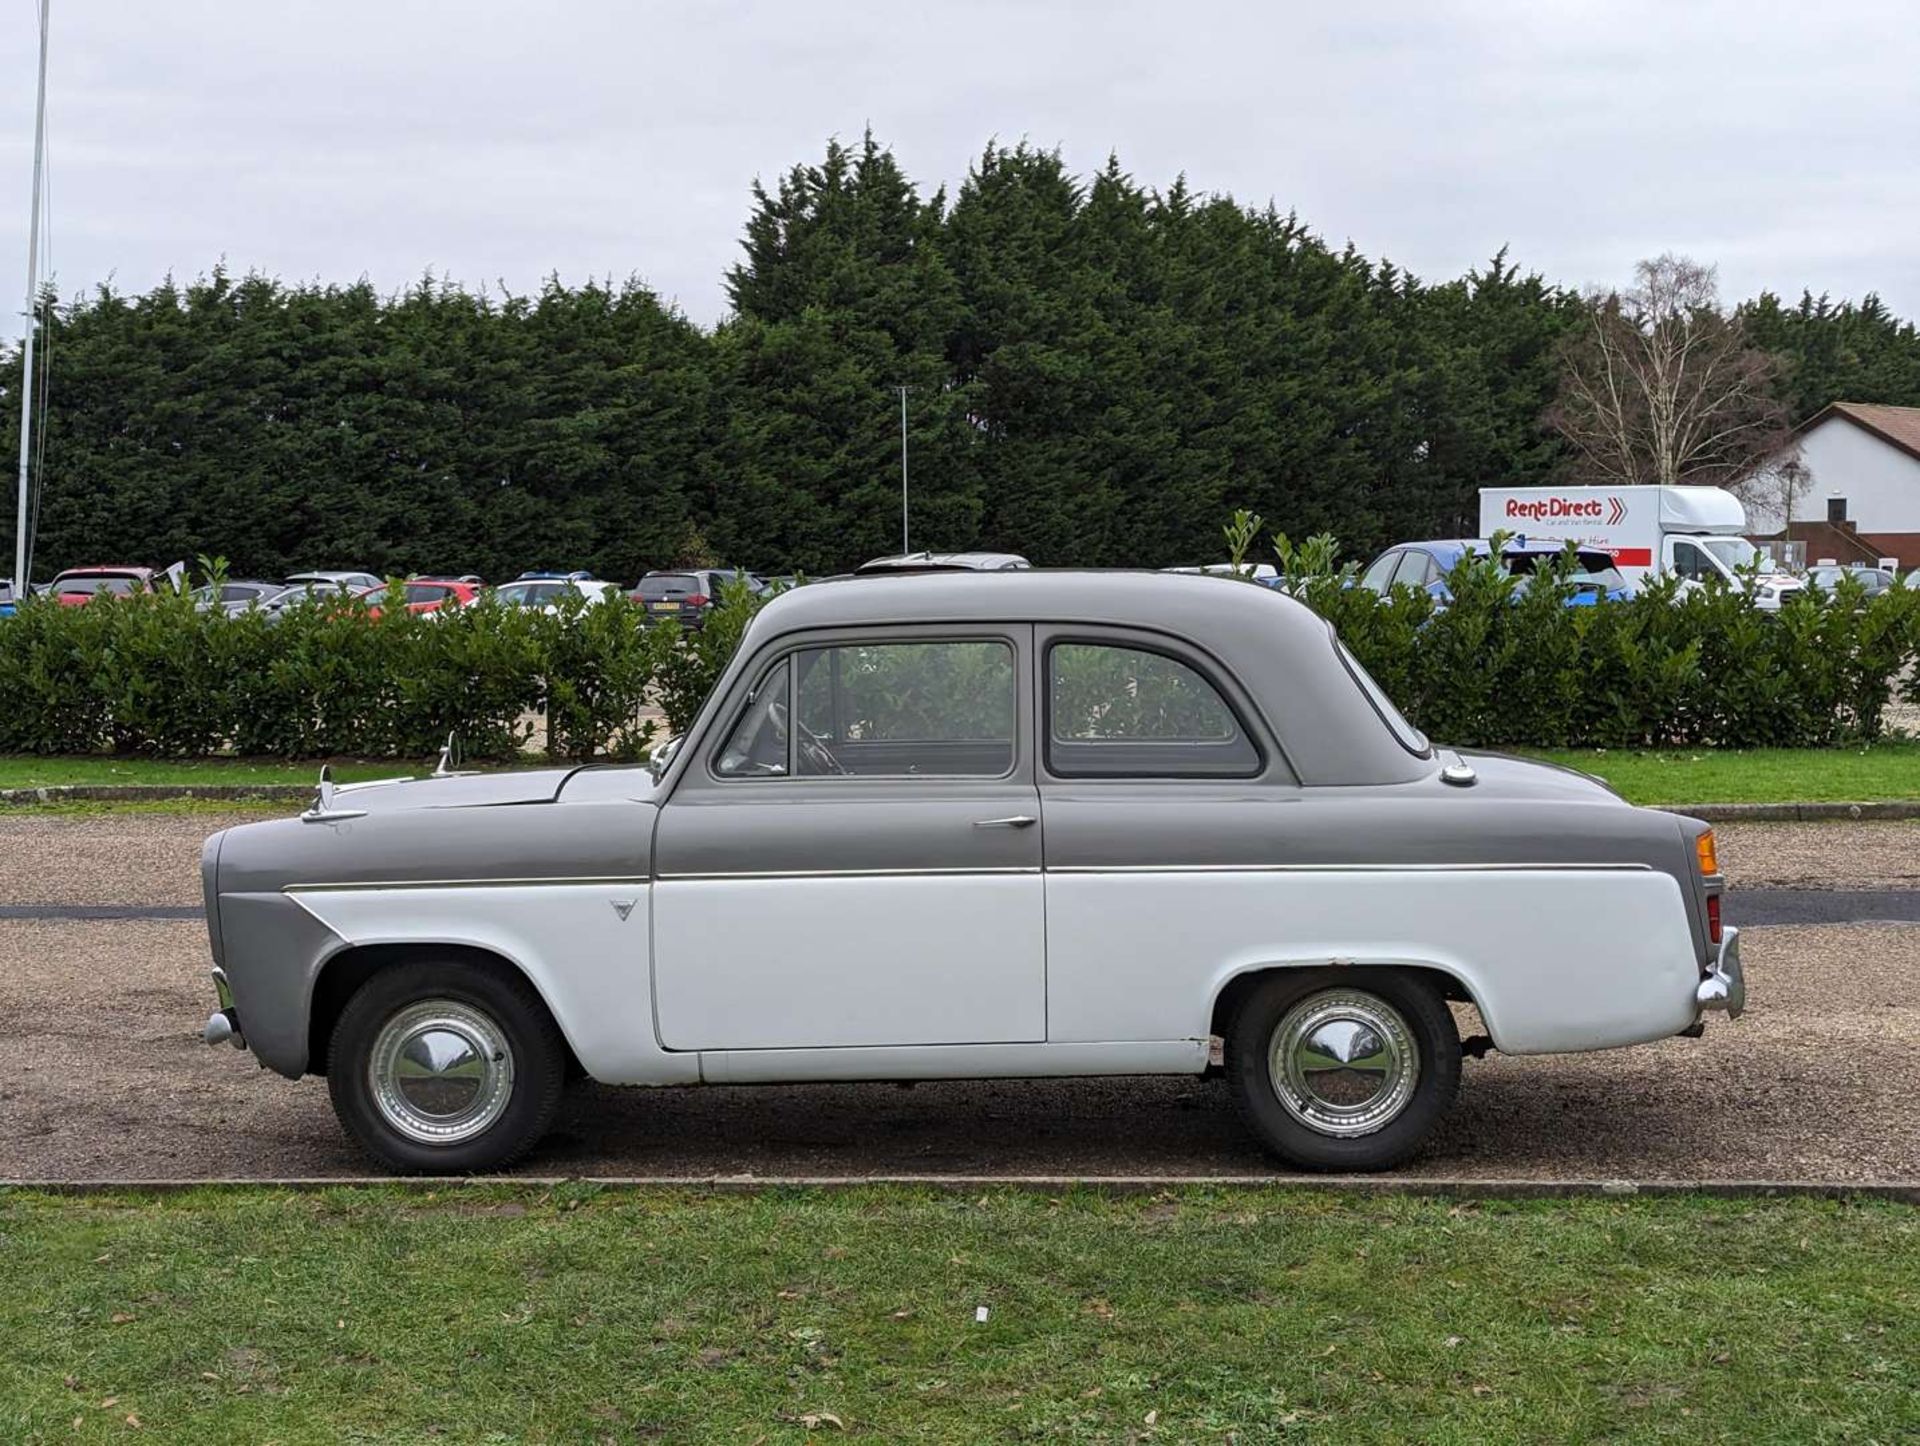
[(118, 586), (667, 586), (1735, 552)]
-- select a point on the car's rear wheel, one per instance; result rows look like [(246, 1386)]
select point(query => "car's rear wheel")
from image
[(1343, 1069), (445, 1067)]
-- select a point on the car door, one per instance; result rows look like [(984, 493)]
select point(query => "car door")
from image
[(1691, 562), (853, 859), (1154, 773)]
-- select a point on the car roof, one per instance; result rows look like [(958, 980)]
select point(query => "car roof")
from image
[(106, 569), (1276, 649)]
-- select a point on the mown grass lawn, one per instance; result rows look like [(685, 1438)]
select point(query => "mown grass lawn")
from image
[(1888, 770), (584, 1314), (17, 771)]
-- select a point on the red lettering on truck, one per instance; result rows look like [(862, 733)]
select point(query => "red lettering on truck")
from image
[(1546, 509)]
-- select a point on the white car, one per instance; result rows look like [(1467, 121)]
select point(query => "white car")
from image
[(544, 590), (947, 827)]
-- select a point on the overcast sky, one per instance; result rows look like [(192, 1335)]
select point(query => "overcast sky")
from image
[(498, 142)]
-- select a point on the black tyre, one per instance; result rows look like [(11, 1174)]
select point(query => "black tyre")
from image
[(1343, 1069), (446, 1067)]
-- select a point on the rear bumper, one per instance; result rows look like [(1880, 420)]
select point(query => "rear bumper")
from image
[(1724, 986)]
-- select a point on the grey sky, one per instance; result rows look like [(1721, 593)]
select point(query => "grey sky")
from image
[(493, 141)]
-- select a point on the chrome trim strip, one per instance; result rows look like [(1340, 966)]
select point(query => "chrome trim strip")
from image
[(640, 879), (1346, 868), (1067, 869), (846, 874)]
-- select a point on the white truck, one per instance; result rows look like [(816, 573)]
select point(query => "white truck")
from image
[(1691, 532)]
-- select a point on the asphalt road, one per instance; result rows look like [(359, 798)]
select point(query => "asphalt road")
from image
[(102, 1074)]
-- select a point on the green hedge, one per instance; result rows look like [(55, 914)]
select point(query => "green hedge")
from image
[(1510, 665), (1500, 666), (151, 675)]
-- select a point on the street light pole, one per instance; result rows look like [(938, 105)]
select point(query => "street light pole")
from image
[(33, 309), (904, 548)]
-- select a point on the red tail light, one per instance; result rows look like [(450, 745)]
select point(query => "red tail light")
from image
[(697, 600), (1713, 918)]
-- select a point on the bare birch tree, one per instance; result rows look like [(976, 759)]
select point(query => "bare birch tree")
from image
[(1662, 385)]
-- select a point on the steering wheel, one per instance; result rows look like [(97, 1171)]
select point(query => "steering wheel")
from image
[(812, 747)]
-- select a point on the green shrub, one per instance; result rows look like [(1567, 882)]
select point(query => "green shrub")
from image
[(1500, 665), (687, 672), (1506, 665), (325, 676)]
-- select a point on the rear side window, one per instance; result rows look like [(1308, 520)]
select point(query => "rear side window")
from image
[(1378, 575), (1416, 570), (1117, 712)]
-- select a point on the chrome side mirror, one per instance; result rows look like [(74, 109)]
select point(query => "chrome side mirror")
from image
[(658, 760)]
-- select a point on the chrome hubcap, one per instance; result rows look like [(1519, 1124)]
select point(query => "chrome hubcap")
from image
[(1343, 1062), (441, 1072)]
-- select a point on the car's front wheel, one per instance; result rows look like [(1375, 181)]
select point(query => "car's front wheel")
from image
[(1343, 1069), (446, 1067)]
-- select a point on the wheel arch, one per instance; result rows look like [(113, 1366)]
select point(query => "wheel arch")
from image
[(1233, 989), (342, 973)]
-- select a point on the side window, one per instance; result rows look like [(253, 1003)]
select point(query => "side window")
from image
[(1375, 578), (910, 709), (1690, 562), (1415, 570), (758, 745), (1116, 712)]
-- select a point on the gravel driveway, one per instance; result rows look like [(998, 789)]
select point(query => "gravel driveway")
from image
[(102, 1074)]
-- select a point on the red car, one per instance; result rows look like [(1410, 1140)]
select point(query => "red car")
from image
[(425, 594), (79, 585)]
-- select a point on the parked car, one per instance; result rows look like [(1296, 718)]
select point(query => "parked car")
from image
[(545, 589), (8, 603), (686, 595), (424, 594), (236, 595), (1424, 566), (1873, 580), (1023, 825), (946, 562), (304, 586), (334, 581), (78, 585)]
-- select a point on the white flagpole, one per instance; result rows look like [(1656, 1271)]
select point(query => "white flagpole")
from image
[(33, 311)]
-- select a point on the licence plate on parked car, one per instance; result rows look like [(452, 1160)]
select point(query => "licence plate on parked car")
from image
[(668, 607)]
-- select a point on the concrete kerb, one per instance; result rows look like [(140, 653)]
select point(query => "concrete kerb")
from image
[(301, 792), (1795, 812), (1906, 1192)]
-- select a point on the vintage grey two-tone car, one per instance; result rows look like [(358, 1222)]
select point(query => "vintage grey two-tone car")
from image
[(973, 825)]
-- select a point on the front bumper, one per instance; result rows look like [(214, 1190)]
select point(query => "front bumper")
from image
[(1725, 985), (223, 1025)]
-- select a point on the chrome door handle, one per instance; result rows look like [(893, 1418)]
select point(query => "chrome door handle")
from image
[(1017, 820)]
